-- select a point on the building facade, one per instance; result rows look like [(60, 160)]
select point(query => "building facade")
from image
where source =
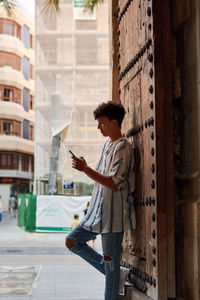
[(72, 78), (16, 104)]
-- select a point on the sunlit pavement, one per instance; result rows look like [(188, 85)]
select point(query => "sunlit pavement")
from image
[(60, 275)]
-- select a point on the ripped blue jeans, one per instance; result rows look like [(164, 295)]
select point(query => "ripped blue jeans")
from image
[(108, 263)]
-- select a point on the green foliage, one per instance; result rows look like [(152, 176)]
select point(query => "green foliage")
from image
[(51, 5), (8, 5), (90, 4)]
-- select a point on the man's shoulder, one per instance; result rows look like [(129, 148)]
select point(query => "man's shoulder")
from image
[(124, 144), (130, 146)]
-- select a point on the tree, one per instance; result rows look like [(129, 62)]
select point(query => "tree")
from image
[(8, 5), (89, 4)]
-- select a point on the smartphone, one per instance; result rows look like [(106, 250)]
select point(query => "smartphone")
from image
[(72, 153)]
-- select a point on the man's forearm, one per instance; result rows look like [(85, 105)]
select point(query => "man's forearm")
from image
[(102, 179)]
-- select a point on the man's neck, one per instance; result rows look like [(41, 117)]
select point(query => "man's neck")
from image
[(115, 137)]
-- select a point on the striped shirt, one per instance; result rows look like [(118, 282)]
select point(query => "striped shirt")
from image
[(113, 211)]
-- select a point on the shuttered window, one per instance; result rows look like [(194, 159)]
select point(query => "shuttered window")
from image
[(26, 97), (25, 163), (26, 67), (9, 160), (26, 129), (26, 36)]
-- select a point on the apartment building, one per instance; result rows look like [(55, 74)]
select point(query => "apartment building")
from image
[(16, 104), (71, 79)]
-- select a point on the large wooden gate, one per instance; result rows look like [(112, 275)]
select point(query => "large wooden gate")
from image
[(142, 82)]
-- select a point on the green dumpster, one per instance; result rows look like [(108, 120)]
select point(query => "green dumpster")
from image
[(30, 212), (21, 210)]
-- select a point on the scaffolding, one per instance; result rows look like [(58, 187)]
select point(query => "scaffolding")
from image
[(71, 79)]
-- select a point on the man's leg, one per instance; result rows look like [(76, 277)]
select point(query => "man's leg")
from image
[(76, 242), (111, 243)]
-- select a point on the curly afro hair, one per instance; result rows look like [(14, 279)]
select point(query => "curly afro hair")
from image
[(111, 110)]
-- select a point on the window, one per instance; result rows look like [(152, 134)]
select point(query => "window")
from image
[(10, 127), (26, 129), (10, 59), (25, 163), (6, 160), (32, 164), (7, 94), (17, 128), (26, 36), (9, 160), (26, 97), (10, 27), (7, 29), (7, 127), (25, 67), (16, 161), (17, 95), (15, 30)]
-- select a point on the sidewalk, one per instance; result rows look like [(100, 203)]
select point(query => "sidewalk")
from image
[(61, 275)]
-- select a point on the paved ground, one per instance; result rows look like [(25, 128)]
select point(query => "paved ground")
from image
[(63, 276)]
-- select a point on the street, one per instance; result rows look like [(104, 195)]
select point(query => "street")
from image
[(38, 266)]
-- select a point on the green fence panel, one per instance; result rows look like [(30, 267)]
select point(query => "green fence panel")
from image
[(21, 210), (30, 212)]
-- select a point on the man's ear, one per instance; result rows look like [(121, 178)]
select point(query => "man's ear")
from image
[(115, 122)]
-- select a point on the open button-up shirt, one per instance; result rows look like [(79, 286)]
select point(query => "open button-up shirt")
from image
[(113, 211)]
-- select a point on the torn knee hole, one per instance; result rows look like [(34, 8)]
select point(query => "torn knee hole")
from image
[(70, 243), (107, 258)]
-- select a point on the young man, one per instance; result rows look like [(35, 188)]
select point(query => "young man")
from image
[(111, 210)]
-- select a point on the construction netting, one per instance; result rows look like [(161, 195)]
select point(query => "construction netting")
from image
[(71, 79)]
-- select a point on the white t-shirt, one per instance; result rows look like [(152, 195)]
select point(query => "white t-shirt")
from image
[(113, 211)]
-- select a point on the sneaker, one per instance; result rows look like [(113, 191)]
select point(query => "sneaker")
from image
[(123, 278)]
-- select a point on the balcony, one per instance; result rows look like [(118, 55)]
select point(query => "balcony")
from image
[(12, 44), (15, 174), (15, 111), (16, 144), (9, 76)]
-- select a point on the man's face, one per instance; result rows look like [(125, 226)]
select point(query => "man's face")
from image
[(105, 125)]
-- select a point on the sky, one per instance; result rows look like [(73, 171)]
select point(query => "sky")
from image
[(28, 5)]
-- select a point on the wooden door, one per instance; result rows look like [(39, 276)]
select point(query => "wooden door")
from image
[(142, 82)]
